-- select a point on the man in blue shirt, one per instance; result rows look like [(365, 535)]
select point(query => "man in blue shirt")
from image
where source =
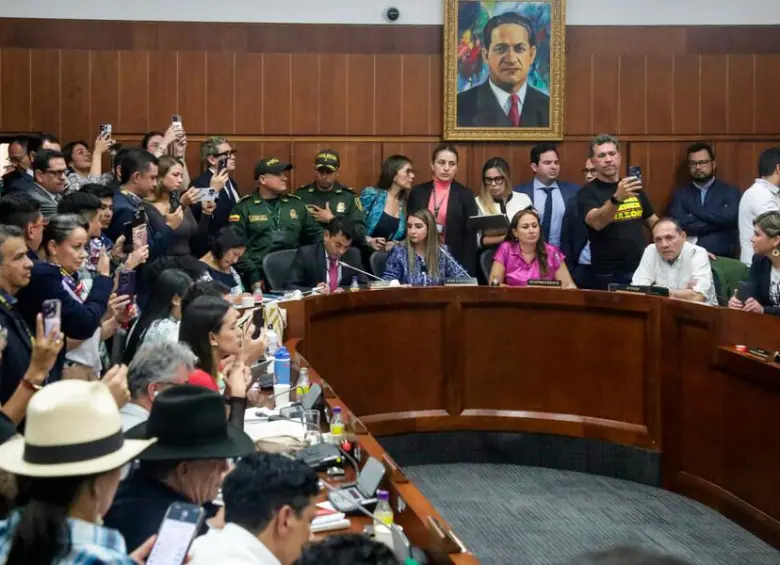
[(548, 194), (707, 208)]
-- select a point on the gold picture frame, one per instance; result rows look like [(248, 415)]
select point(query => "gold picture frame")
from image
[(486, 113)]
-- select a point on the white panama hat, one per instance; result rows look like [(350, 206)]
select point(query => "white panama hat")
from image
[(73, 428)]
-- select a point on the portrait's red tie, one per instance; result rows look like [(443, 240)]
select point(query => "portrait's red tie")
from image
[(514, 111)]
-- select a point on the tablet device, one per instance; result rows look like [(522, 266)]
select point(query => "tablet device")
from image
[(492, 222)]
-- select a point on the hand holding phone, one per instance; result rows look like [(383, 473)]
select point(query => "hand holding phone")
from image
[(178, 529), (52, 315)]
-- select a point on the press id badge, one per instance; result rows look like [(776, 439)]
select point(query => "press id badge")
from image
[(440, 228)]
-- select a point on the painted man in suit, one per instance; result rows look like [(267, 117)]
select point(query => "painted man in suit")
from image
[(548, 194), (506, 99), (319, 265)]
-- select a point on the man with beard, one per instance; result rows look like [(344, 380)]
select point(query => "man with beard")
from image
[(615, 211), (707, 208)]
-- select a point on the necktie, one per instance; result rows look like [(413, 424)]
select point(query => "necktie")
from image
[(514, 110), (547, 215), (333, 273)]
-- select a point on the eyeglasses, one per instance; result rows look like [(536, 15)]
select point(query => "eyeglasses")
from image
[(228, 154), (589, 171), (699, 163), (494, 180), (57, 172)]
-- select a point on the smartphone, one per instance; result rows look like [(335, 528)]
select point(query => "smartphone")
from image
[(105, 131), (126, 286), (222, 164), (635, 171), (243, 321), (175, 200), (179, 527), (140, 237), (208, 194), (52, 315), (176, 119), (127, 231), (95, 247), (744, 291), (258, 319)]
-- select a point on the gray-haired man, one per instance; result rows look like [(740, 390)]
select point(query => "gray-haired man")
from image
[(154, 368), (214, 152)]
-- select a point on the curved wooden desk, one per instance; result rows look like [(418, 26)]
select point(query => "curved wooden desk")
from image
[(635, 370)]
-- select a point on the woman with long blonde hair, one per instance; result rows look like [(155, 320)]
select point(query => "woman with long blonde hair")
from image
[(169, 199), (496, 197), (421, 260)]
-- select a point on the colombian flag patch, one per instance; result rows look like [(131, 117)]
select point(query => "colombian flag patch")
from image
[(234, 218)]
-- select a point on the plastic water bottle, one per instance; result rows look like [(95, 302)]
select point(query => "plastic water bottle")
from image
[(336, 426), (282, 366), (384, 514), (272, 341), (304, 384), (353, 286)]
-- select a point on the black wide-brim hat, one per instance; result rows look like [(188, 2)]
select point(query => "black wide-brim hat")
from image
[(189, 422)]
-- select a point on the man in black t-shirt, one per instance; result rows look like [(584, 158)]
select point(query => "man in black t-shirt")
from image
[(615, 212)]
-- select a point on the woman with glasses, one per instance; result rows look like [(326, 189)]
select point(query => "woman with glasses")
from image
[(496, 197), (524, 255)]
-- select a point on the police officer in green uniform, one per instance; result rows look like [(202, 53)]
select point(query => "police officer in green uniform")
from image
[(327, 198), (271, 220)]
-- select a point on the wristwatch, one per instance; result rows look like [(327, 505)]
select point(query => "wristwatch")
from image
[(614, 200)]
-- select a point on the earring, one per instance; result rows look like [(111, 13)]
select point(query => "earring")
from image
[(776, 253)]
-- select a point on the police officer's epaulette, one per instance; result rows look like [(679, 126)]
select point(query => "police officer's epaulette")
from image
[(246, 197), (295, 196), (347, 188)]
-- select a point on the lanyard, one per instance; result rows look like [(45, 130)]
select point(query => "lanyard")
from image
[(436, 205), (278, 221), (9, 307), (70, 282)]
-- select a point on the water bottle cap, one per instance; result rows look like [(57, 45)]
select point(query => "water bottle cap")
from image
[(383, 495), (337, 410)]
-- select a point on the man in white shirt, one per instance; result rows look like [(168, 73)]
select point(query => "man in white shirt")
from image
[(269, 506), (676, 264), (154, 368), (763, 196)]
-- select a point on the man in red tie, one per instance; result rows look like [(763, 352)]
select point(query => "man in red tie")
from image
[(506, 99), (328, 265)]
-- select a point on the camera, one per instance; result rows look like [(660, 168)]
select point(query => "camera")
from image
[(392, 14)]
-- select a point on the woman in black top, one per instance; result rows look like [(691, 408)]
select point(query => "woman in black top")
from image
[(165, 200), (763, 295), (451, 204)]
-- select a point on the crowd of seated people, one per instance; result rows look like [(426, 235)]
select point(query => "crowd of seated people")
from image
[(148, 268)]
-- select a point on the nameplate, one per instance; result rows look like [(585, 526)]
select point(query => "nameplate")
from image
[(764, 355), (618, 287), (540, 282), (461, 282), (373, 285)]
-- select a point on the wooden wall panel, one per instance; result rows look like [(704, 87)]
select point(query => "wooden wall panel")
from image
[(133, 92), (74, 100), (360, 84), (15, 75), (371, 91), (45, 89), (249, 93)]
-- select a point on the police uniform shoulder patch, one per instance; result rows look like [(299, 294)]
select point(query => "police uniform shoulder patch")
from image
[(358, 203)]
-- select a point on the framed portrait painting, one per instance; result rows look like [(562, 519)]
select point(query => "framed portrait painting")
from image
[(503, 69)]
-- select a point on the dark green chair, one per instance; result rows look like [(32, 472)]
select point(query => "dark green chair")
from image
[(727, 273)]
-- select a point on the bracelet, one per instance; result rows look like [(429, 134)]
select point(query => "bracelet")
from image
[(29, 385)]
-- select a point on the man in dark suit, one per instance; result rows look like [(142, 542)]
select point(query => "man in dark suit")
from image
[(21, 152), (139, 176), (707, 209), (216, 152), (547, 193), (19, 373), (319, 265), (506, 99)]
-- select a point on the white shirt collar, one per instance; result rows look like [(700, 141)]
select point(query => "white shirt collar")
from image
[(768, 185), (503, 96), (540, 185), (49, 194), (30, 172), (235, 544)]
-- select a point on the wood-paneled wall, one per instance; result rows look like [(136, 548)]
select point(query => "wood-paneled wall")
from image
[(371, 91)]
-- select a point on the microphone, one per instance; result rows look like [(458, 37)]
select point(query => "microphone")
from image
[(401, 546), (373, 276)]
